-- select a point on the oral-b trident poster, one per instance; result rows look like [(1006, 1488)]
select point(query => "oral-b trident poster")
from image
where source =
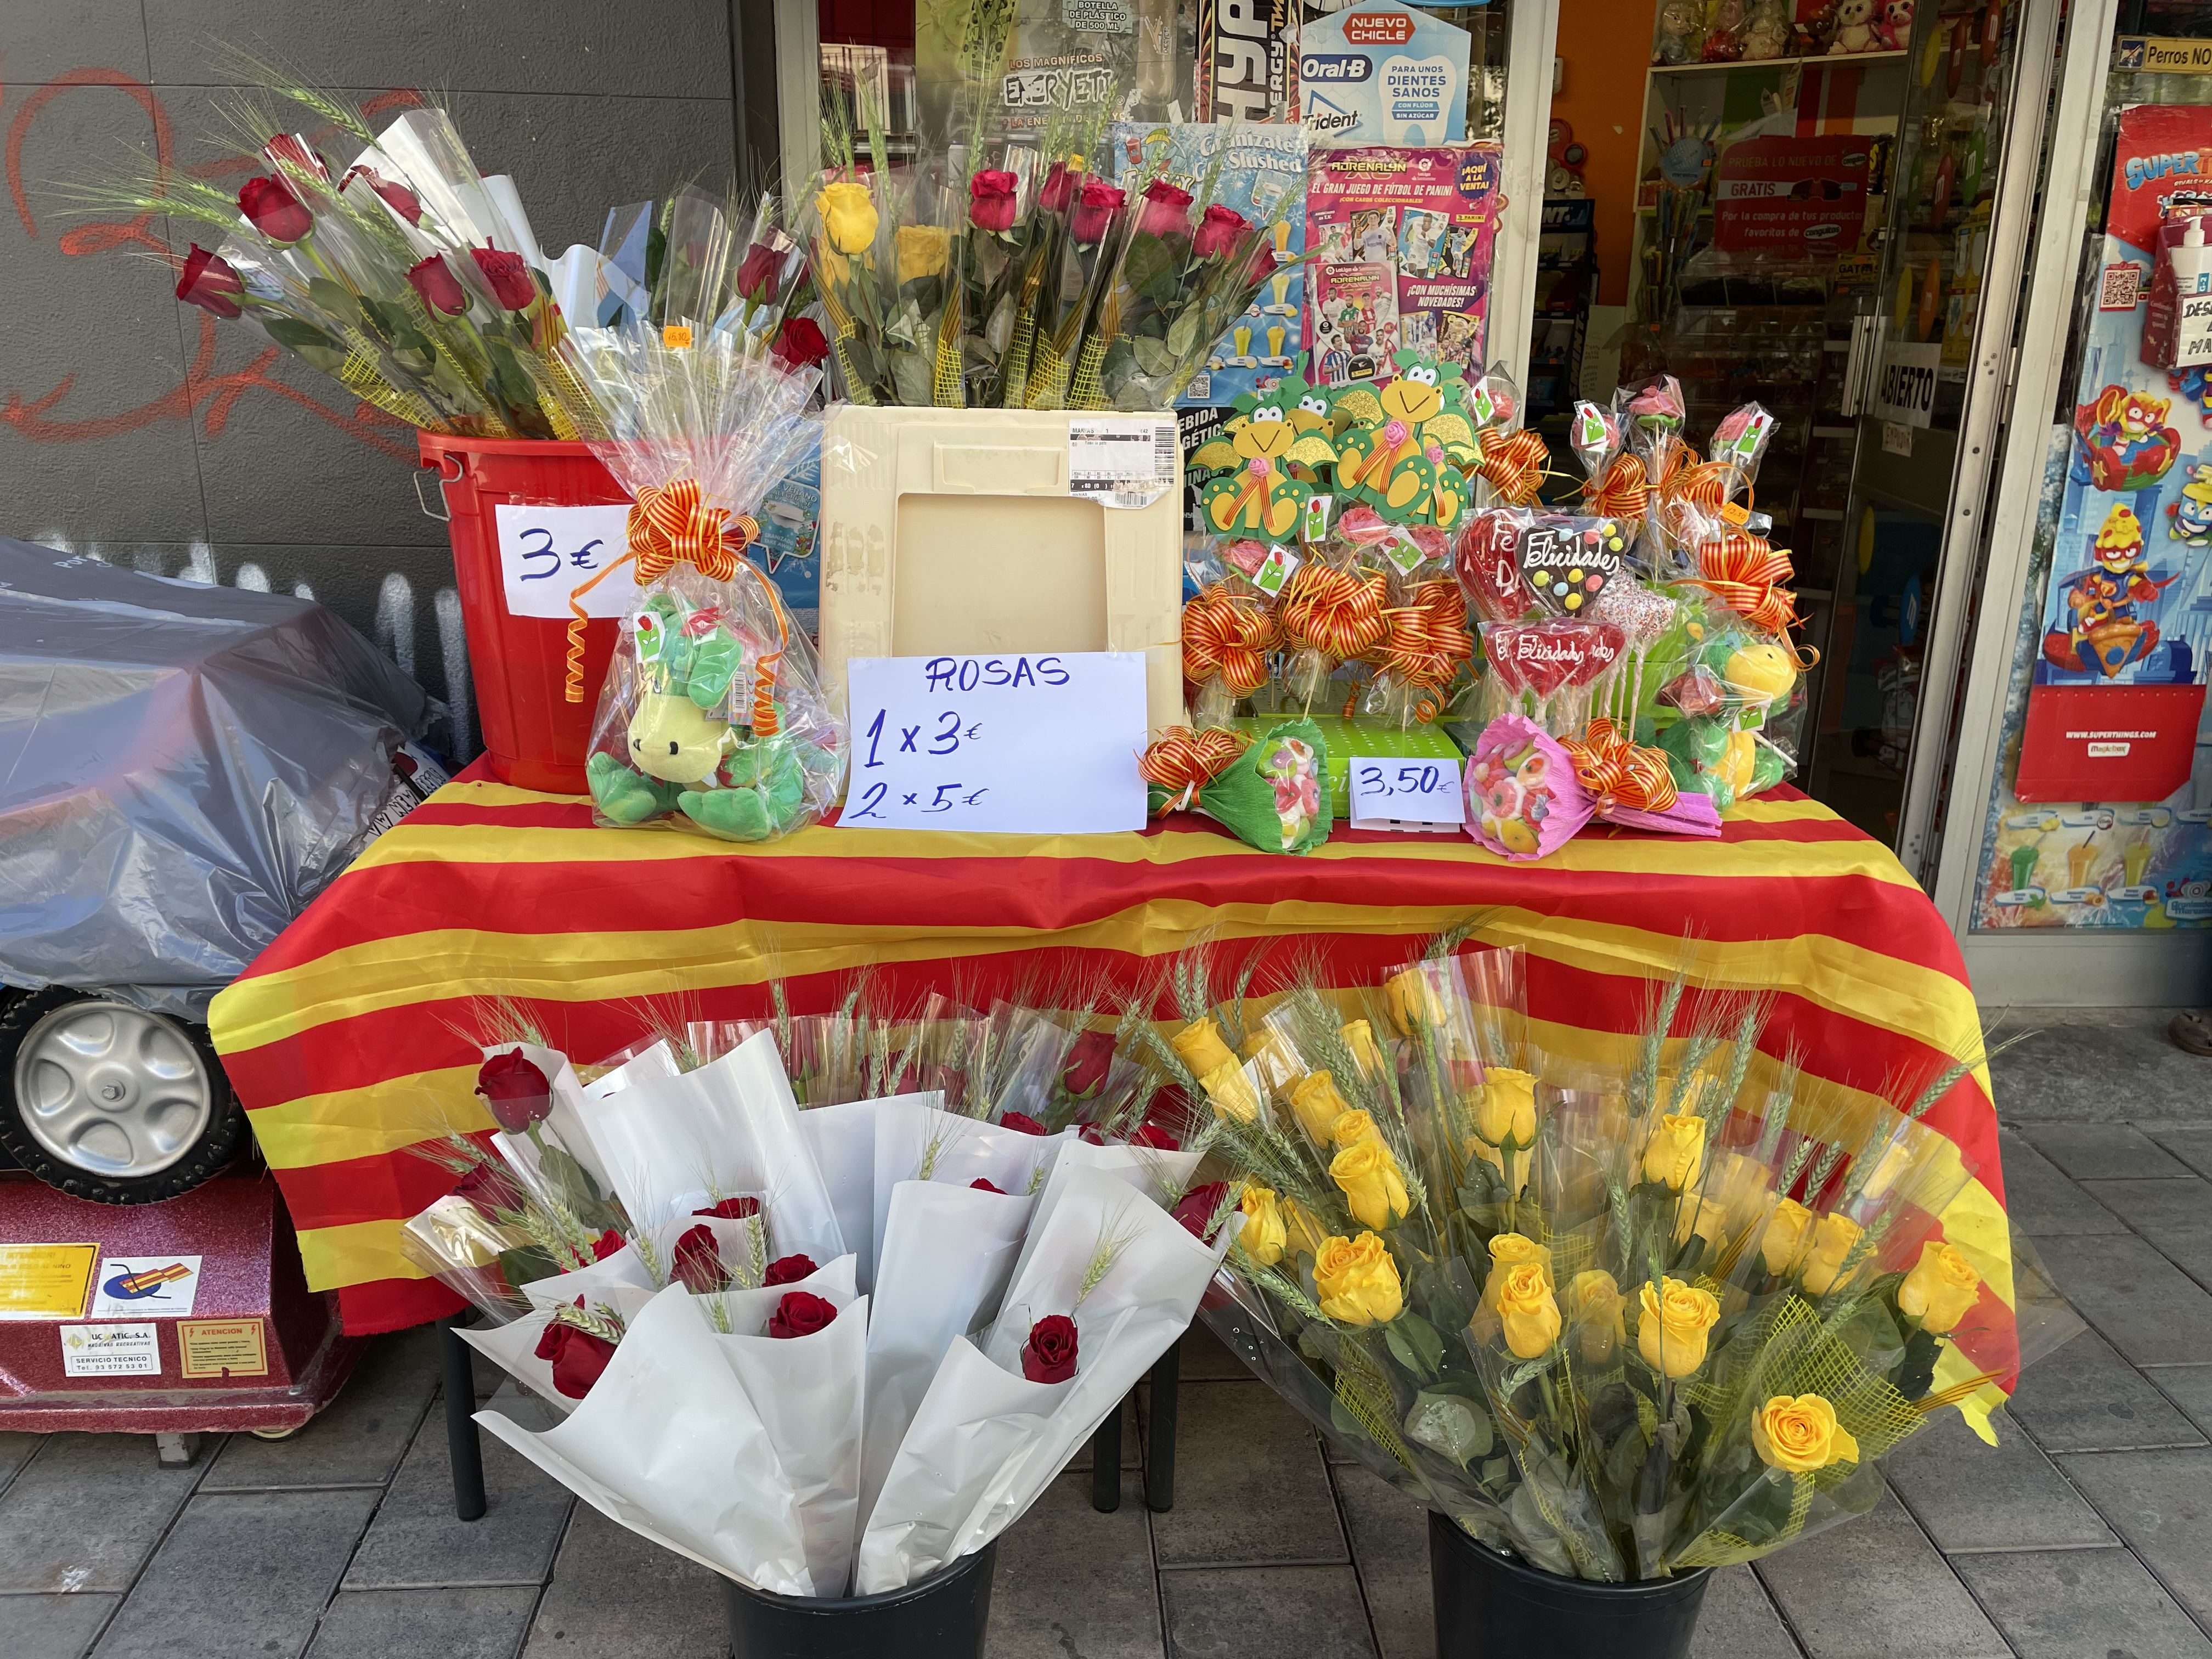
[(1381, 74)]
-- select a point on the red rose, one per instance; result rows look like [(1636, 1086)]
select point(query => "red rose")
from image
[(1166, 211), (210, 282), (1050, 1355), (699, 1263), (759, 273), (606, 1244), (1088, 1062), (440, 288), (578, 1357), (1096, 204), (1263, 261), (800, 342), (980, 1185), (516, 1092), (274, 210), (1089, 1132), (789, 1270), (511, 284), (732, 1209), (401, 200), (1021, 1123), (1198, 1205), (991, 200), (801, 1314), (487, 1188), (1059, 185), (1220, 230), (1150, 1135)]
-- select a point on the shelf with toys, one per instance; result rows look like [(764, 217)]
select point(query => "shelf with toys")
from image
[(1739, 64)]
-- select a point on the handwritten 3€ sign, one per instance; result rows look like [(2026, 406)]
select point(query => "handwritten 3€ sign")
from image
[(1019, 744)]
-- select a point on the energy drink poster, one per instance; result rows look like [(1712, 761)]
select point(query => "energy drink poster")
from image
[(1247, 66), (1130, 58), (1403, 239), (1263, 177)]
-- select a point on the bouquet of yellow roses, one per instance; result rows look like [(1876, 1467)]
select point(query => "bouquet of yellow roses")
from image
[(1624, 1326)]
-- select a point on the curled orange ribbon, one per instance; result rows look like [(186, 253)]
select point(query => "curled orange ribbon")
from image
[(1183, 761), (1512, 462), (1427, 638), (1619, 773), (1746, 574), (1226, 637), (1333, 611), (1621, 491), (673, 524)]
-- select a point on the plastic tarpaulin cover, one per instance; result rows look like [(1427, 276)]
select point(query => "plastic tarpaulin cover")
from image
[(182, 768)]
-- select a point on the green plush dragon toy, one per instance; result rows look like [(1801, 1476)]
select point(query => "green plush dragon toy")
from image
[(682, 752)]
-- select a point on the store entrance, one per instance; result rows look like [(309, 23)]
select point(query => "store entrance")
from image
[(1819, 232)]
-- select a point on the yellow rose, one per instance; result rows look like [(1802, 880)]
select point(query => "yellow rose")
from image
[(1527, 1310), (1200, 1047), (1358, 1280), (1801, 1435), (1305, 1234), (1942, 1287), (1600, 1312), (1676, 1150), (848, 215), (1671, 1332), (1412, 1002), (1508, 1107), (1896, 1158), (921, 250), (1264, 1237), (1705, 1218), (1349, 1128), (1360, 1037), (1832, 1238), (1787, 1237), (1509, 1250), (1371, 1184), (1314, 1099), (1232, 1091)]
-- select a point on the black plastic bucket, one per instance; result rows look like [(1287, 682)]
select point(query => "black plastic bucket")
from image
[(942, 1617), (1489, 1604)]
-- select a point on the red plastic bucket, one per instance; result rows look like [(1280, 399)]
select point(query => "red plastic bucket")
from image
[(534, 738)]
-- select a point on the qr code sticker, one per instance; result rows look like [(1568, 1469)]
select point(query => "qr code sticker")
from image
[(2122, 286)]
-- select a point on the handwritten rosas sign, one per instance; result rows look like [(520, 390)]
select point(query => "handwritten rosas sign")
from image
[(1025, 744), (545, 552)]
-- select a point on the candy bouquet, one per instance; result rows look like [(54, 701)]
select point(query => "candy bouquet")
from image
[(1624, 1323), (823, 1351)]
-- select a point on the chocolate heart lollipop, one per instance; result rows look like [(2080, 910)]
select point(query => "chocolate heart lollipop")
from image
[(1567, 562)]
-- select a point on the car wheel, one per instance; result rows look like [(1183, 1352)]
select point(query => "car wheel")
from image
[(106, 1102)]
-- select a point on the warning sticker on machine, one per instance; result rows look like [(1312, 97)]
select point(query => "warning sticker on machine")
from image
[(45, 1281), (222, 1347), (1128, 462), (111, 1350)]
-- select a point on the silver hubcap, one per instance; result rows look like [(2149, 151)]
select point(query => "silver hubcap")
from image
[(112, 1090)]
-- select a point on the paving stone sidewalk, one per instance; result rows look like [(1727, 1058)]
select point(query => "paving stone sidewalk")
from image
[(2088, 1533)]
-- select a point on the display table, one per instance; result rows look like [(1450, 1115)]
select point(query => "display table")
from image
[(354, 1033)]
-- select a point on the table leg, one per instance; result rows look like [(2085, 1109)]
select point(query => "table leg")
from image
[(462, 1446), (1106, 1463), (1159, 1457)]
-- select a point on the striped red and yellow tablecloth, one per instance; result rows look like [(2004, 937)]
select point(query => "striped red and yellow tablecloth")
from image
[(352, 1035)]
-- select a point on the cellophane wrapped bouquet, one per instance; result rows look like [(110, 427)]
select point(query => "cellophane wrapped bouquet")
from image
[(713, 708), (828, 1351), (1622, 1324)]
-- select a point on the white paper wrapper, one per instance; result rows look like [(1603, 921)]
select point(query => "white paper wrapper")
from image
[(986, 1440), (670, 1445), (947, 1254), (843, 1138), (965, 1151), (1146, 1170), (808, 1390)]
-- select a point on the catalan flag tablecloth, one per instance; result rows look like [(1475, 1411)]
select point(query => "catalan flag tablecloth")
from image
[(354, 1033)]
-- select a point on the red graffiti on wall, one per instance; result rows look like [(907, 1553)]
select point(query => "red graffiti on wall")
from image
[(202, 393)]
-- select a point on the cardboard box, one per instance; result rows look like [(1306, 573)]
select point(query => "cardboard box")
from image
[(1360, 735), (974, 531)]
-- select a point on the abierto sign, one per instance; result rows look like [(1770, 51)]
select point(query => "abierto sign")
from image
[(1905, 385)]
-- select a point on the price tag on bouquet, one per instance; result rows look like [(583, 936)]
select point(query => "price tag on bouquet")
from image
[(546, 552), (1391, 792), (1014, 744)]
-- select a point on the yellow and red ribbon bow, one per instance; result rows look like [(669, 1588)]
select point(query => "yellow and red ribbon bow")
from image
[(1746, 574), (1511, 462), (1333, 611), (1619, 773), (673, 524), (1183, 761), (1426, 639), (1621, 491), (1227, 636)]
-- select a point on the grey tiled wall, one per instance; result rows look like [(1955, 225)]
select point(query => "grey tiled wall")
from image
[(131, 426)]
